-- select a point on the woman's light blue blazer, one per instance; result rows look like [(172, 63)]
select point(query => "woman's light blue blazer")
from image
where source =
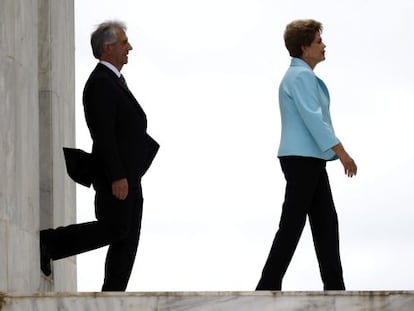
[(304, 108)]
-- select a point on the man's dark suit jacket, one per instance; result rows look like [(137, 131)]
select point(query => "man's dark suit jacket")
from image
[(121, 146)]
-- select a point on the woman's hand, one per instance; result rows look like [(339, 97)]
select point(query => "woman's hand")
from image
[(348, 163)]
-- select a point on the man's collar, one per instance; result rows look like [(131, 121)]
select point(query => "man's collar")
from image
[(112, 67)]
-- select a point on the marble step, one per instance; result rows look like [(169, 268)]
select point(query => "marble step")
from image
[(210, 301)]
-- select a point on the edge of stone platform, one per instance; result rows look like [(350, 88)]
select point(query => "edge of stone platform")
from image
[(376, 293)]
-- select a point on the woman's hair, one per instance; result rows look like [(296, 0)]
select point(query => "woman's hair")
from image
[(105, 33), (300, 33)]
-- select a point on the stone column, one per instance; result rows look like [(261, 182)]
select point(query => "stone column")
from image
[(19, 148), (36, 120), (57, 123)]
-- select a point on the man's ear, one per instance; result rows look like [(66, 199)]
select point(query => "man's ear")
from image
[(106, 48)]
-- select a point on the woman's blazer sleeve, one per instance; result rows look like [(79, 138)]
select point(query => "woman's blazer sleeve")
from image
[(312, 103)]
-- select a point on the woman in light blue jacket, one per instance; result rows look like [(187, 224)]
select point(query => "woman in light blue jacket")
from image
[(307, 141)]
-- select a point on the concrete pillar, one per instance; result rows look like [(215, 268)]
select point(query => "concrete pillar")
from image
[(36, 119)]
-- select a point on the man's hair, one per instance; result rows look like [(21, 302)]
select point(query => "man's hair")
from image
[(105, 33), (300, 33)]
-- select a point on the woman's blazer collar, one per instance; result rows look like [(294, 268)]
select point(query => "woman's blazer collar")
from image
[(300, 63)]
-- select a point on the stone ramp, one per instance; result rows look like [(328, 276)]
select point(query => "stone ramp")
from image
[(210, 301)]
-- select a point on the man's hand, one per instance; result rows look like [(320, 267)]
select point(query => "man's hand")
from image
[(120, 188)]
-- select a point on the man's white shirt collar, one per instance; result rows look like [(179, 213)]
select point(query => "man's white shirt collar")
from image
[(112, 67)]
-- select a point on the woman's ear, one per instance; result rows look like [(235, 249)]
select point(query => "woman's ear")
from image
[(304, 51)]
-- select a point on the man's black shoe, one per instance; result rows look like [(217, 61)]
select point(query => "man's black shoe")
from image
[(45, 257)]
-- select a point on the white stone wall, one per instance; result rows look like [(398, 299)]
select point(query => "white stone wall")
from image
[(36, 120)]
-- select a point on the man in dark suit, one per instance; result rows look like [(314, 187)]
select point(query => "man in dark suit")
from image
[(121, 153)]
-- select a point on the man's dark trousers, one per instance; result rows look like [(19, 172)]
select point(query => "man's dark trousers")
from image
[(307, 193), (118, 225)]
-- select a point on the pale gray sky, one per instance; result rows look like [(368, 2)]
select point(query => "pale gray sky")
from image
[(207, 73)]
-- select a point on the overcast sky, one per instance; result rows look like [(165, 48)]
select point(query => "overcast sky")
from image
[(207, 74)]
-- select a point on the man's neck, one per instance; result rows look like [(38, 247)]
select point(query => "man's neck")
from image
[(111, 66)]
